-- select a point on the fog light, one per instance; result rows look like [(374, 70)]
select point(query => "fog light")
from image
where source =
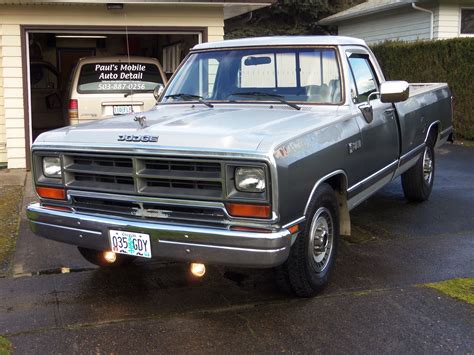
[(197, 269), (110, 256)]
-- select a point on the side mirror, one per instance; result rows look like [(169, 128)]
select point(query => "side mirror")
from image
[(394, 91), (158, 91), (366, 108)]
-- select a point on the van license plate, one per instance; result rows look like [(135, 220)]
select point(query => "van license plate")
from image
[(130, 243), (122, 110)]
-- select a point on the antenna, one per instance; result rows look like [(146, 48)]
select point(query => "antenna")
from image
[(129, 64)]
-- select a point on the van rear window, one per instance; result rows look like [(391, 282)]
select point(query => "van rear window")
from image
[(118, 77)]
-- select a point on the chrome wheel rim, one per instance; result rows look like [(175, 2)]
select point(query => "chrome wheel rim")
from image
[(321, 239), (427, 165)]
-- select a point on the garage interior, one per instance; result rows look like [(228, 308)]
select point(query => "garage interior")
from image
[(53, 56)]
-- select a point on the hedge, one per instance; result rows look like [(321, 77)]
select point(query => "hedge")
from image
[(450, 61)]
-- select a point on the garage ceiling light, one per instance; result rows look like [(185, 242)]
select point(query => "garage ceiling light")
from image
[(80, 36)]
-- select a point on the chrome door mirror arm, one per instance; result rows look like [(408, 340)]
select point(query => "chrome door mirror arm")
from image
[(366, 108)]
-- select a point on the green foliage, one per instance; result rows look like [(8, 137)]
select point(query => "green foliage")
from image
[(462, 289), (5, 346), (286, 17), (448, 61)]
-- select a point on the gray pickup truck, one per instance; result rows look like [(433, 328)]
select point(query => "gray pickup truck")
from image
[(253, 156)]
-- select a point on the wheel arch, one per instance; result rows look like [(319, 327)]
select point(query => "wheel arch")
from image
[(338, 181), (433, 131)]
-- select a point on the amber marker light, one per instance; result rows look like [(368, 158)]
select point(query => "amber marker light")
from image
[(244, 210), (51, 193), (294, 229)]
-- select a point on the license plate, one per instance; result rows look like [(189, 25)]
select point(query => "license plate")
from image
[(130, 243), (122, 110)]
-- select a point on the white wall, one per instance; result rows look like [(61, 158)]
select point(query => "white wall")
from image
[(404, 25)]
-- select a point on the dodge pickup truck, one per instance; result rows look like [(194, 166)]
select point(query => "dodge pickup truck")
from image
[(253, 156)]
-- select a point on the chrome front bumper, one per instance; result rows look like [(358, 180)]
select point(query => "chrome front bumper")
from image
[(209, 245)]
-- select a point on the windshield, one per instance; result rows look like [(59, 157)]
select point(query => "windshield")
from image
[(118, 77), (304, 75)]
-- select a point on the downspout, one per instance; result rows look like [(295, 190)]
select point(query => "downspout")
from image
[(428, 11)]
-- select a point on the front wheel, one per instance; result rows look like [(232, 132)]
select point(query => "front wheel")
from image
[(417, 182), (96, 257), (313, 254)]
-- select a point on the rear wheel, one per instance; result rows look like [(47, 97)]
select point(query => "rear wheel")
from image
[(417, 182), (96, 257), (312, 256)]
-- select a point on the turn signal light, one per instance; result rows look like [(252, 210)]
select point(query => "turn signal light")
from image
[(244, 210), (294, 229), (51, 192)]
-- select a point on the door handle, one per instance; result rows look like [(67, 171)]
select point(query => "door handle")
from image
[(389, 111)]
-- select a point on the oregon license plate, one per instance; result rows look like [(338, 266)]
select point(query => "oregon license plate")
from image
[(122, 110), (130, 243)]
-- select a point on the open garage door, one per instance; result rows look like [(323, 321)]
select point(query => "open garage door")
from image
[(53, 57)]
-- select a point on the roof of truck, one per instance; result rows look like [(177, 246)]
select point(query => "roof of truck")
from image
[(282, 41)]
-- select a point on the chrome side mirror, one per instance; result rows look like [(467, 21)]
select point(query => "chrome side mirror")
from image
[(394, 91), (158, 91)]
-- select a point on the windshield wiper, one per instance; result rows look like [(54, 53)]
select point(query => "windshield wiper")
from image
[(264, 94), (184, 96)]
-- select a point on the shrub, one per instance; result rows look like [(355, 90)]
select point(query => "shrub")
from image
[(448, 61)]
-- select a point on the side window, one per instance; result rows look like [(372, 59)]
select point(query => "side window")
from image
[(364, 78)]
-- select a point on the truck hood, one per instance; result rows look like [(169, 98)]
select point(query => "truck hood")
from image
[(230, 127)]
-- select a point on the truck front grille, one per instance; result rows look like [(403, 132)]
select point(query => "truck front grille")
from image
[(149, 211), (160, 177)]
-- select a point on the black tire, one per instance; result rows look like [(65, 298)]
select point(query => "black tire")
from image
[(96, 257), (311, 260), (417, 182)]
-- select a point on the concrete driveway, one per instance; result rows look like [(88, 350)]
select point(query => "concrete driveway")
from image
[(375, 303)]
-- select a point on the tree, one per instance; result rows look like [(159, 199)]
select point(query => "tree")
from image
[(286, 17)]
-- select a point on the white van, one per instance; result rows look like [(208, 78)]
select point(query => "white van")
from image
[(110, 86)]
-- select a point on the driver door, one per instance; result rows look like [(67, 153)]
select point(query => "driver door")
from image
[(380, 143)]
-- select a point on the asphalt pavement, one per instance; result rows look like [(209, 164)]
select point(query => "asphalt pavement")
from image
[(56, 302)]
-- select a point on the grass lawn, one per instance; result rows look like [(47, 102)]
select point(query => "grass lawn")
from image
[(462, 289)]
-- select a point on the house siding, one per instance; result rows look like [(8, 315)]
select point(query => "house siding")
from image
[(12, 130), (401, 25)]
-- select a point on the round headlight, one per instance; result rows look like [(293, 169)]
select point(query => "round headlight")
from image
[(52, 167), (250, 179)]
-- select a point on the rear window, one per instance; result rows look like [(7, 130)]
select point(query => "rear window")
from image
[(118, 77)]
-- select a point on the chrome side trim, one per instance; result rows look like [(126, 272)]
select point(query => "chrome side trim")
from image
[(319, 182), (406, 165), (365, 194), (296, 221), (86, 231), (429, 129), (446, 132), (222, 247), (408, 156), (374, 175)]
